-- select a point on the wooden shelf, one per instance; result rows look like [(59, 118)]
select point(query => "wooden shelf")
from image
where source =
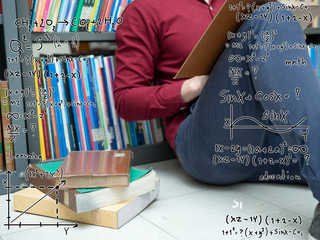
[(77, 36)]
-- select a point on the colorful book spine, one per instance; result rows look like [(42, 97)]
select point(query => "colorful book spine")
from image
[(6, 125), (103, 89), (47, 110), (45, 15), (62, 15), (83, 109), (120, 11), (107, 16), (103, 8), (113, 15), (50, 20), (101, 110), (37, 15), (53, 121), (72, 101), (33, 13), (77, 14), (96, 131), (109, 92), (84, 93), (74, 69), (93, 16), (70, 14), (63, 108), (43, 104), (41, 134)]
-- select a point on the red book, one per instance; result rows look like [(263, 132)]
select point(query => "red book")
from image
[(0, 7), (54, 123)]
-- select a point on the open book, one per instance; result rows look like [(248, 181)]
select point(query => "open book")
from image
[(212, 43)]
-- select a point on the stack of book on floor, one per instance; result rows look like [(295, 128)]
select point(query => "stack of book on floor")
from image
[(95, 187)]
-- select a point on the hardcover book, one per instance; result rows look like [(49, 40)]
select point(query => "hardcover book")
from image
[(112, 216), (92, 169), (88, 199)]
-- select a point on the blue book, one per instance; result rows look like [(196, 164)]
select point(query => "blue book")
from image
[(96, 16), (148, 131), (57, 109), (111, 120), (83, 110), (33, 13), (313, 57), (91, 107), (74, 110), (113, 14), (133, 133), (53, 151), (70, 13), (62, 15), (64, 109)]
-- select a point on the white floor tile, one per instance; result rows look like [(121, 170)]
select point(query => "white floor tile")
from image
[(202, 215), (294, 197), (174, 180), (187, 209)]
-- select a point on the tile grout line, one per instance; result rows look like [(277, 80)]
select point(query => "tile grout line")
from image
[(158, 227)]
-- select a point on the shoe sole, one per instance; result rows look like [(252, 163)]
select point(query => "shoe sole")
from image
[(311, 238)]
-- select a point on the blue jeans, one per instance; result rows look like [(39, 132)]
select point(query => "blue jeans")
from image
[(262, 126)]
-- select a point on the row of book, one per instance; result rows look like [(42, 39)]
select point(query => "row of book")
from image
[(76, 108), (76, 15), (96, 204)]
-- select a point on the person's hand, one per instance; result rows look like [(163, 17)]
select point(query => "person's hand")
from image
[(192, 87)]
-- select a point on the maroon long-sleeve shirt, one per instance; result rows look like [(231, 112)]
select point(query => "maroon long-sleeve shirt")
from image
[(154, 40)]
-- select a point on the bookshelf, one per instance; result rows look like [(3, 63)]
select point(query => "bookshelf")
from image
[(67, 36), (29, 143)]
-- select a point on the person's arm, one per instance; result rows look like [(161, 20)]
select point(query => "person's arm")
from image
[(136, 56), (192, 87)]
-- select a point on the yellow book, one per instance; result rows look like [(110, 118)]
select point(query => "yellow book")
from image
[(93, 15), (112, 216), (41, 138)]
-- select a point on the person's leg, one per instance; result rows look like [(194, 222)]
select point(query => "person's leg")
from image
[(266, 94)]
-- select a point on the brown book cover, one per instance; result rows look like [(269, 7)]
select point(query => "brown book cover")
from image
[(6, 125), (212, 43), (87, 199), (207, 51), (89, 169)]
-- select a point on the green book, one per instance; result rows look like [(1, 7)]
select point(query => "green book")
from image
[(51, 15), (77, 16)]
